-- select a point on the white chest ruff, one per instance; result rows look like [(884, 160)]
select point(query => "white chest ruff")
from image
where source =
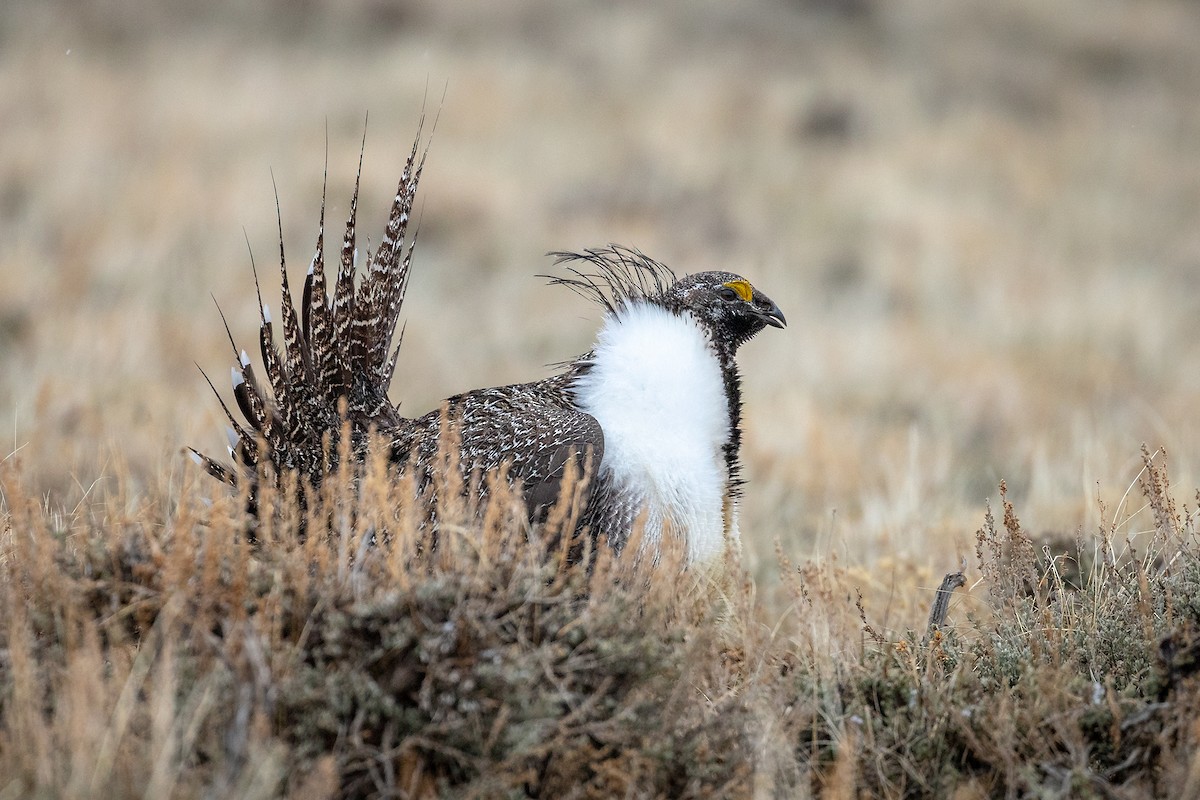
[(657, 391)]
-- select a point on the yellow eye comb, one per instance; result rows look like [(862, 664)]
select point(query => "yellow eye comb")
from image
[(743, 288)]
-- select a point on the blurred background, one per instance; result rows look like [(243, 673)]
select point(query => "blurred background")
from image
[(981, 218)]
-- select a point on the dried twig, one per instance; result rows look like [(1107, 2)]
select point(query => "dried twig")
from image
[(941, 600)]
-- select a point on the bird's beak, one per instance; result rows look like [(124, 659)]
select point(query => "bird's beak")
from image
[(771, 315)]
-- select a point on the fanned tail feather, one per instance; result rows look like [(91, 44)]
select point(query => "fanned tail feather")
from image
[(382, 292), (338, 376), (316, 320), (297, 361), (335, 352)]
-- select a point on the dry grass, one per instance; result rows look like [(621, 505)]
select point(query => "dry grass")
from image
[(149, 650), (978, 217)]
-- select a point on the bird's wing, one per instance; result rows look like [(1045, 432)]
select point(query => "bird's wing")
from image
[(538, 436), (563, 440)]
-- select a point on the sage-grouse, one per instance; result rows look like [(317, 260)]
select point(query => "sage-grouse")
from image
[(651, 413)]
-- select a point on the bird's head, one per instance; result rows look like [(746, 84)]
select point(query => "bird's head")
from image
[(725, 303)]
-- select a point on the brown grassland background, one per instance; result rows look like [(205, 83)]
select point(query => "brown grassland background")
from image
[(982, 220)]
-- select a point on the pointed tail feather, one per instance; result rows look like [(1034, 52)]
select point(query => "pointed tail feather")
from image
[(217, 470), (387, 275), (316, 321), (338, 377), (297, 362)]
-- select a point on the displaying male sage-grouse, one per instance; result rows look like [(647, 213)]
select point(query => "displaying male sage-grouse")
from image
[(652, 412)]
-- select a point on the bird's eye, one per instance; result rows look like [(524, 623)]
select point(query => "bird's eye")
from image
[(725, 293)]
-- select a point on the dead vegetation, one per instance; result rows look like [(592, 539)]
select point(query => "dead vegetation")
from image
[(150, 650)]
